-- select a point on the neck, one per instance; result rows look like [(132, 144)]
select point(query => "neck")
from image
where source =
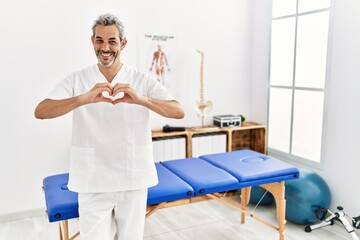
[(110, 72)]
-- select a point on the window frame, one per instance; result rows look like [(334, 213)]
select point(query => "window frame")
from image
[(288, 156)]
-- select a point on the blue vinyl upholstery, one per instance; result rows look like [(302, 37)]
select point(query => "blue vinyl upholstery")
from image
[(184, 178), (252, 168), (202, 176), (169, 188), (61, 203)]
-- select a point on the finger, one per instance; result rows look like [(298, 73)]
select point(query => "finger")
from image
[(105, 99), (105, 89), (119, 100), (99, 90), (121, 88), (104, 86)]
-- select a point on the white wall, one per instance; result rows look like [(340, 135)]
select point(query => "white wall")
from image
[(42, 41), (342, 163), (341, 157)]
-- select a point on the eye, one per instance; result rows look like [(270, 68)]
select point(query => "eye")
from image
[(99, 41), (113, 42)]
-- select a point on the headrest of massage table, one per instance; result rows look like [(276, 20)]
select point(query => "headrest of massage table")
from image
[(61, 203), (252, 168)]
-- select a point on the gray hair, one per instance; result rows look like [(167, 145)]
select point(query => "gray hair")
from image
[(107, 20)]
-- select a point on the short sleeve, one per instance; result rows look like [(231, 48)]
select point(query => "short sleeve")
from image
[(157, 91), (64, 89)]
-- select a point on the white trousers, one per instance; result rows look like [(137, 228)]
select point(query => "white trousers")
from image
[(109, 216)]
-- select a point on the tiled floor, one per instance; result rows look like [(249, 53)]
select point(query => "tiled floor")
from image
[(208, 220)]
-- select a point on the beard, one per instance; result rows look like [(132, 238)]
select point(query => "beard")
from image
[(106, 63)]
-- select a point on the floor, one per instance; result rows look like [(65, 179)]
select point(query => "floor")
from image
[(210, 220)]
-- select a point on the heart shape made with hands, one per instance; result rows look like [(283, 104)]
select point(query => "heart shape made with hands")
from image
[(117, 96)]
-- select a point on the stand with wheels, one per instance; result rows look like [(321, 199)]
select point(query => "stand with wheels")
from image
[(340, 216)]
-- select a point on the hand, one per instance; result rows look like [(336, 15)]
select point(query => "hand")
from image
[(95, 94), (130, 95)]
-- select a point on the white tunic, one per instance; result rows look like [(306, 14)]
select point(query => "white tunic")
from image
[(111, 144)]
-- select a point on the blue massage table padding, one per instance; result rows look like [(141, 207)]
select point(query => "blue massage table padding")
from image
[(252, 168), (61, 203), (184, 178), (204, 177), (169, 188)]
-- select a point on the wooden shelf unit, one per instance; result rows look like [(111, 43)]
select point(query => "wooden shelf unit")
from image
[(249, 135)]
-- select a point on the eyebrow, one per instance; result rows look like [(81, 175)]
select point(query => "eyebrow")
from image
[(112, 38)]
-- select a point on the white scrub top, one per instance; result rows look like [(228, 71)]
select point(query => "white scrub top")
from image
[(111, 144)]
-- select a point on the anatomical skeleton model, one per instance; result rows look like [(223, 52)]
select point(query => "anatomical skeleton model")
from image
[(202, 107)]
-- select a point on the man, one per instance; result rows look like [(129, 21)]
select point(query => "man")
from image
[(111, 163)]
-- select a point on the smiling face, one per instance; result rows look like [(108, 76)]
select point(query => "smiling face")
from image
[(107, 45)]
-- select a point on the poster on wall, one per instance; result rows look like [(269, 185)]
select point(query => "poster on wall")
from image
[(156, 56)]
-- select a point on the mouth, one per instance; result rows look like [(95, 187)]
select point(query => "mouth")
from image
[(106, 54), (106, 58)]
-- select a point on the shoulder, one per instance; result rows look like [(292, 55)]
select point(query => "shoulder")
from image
[(90, 70), (139, 79), (85, 73), (135, 73), (79, 76)]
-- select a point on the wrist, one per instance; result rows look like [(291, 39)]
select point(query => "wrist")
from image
[(145, 101), (80, 100)]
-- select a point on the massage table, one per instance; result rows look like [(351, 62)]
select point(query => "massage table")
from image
[(210, 176)]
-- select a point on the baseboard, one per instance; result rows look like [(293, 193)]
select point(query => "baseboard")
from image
[(21, 215)]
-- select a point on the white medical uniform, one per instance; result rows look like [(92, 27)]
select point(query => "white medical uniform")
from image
[(111, 148)]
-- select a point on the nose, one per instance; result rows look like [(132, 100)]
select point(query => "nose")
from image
[(105, 47)]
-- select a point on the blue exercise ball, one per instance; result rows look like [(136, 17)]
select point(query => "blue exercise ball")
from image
[(304, 195), (257, 194)]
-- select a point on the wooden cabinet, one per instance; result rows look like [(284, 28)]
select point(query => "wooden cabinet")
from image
[(249, 136)]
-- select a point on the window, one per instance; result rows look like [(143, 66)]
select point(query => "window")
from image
[(297, 79)]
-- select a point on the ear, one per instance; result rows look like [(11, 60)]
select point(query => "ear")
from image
[(92, 39), (123, 43)]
